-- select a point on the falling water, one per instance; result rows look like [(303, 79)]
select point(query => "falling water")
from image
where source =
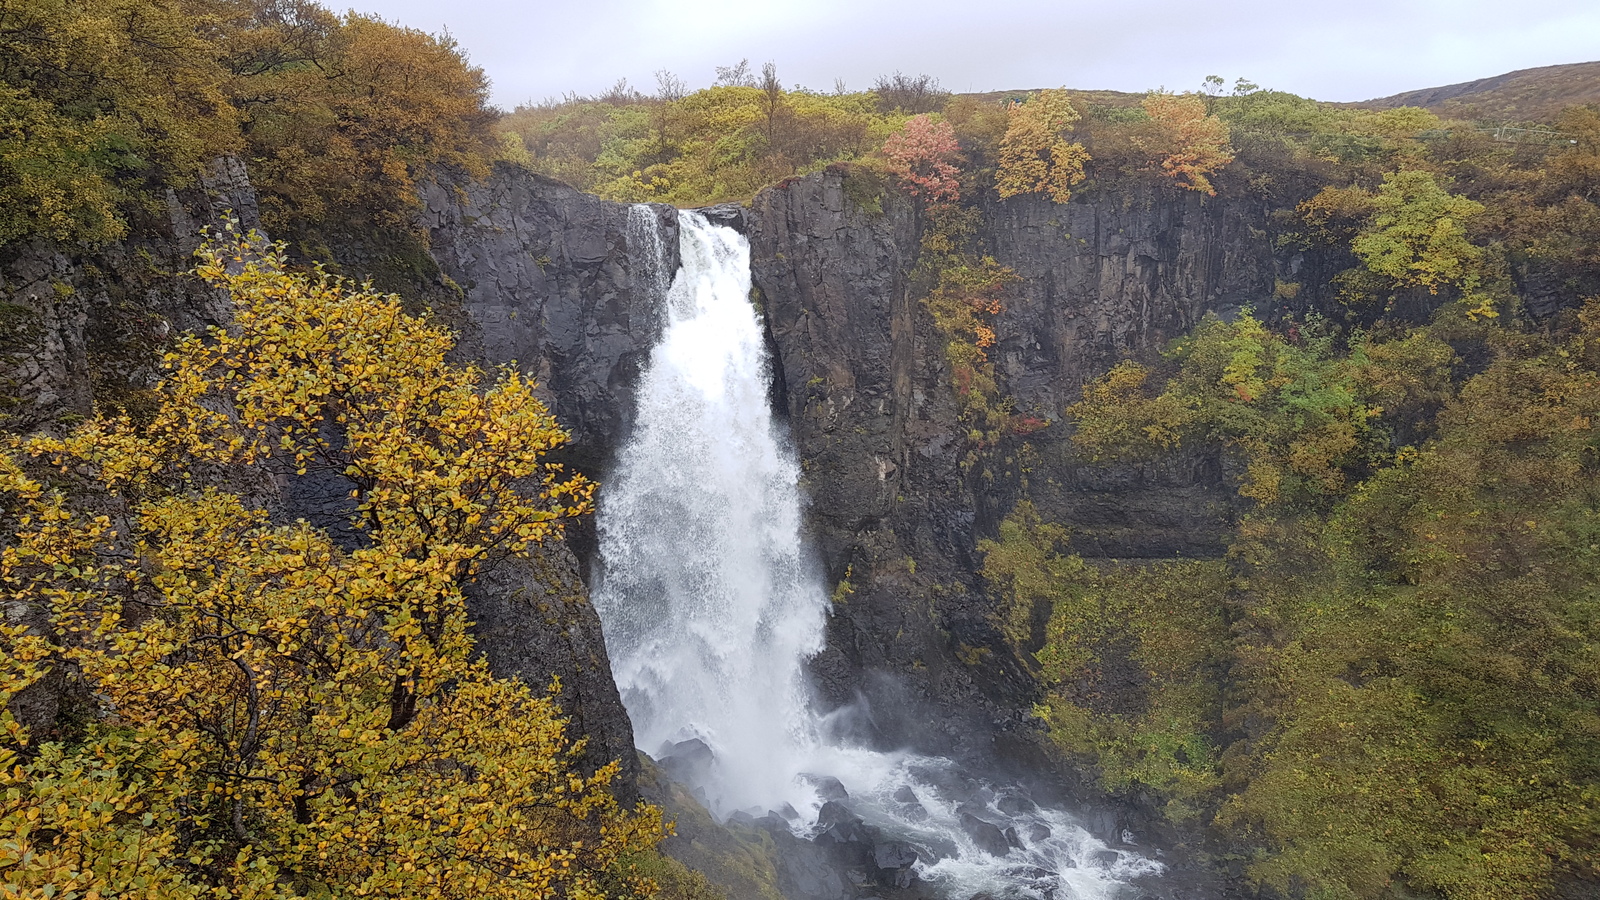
[(711, 610)]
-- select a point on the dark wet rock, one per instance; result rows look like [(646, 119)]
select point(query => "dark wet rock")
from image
[(685, 758), (827, 787), (1015, 805), (847, 841), (988, 836), (1102, 822), (1012, 838), (532, 619), (788, 812), (548, 279), (835, 813), (730, 215), (1037, 832), (894, 855), (843, 832), (772, 822), (1104, 859), (905, 794), (86, 324), (806, 871)]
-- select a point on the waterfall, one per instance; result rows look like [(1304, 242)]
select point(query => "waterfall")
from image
[(711, 610)]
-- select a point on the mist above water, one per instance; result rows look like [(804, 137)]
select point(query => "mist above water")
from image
[(711, 610)]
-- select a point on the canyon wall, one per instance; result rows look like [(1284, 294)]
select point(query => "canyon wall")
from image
[(899, 494)]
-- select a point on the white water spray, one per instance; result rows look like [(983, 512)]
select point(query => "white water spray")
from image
[(711, 610)]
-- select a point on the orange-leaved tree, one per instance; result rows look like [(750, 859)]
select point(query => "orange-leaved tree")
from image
[(275, 711), (1185, 143)]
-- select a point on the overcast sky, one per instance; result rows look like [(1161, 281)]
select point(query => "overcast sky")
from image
[(1330, 50)]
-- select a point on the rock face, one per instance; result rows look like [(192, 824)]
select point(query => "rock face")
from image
[(564, 283), (81, 330), (77, 328), (899, 495), (532, 618), (553, 280)]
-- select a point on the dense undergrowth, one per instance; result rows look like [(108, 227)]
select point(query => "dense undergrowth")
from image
[(106, 104), (1389, 685)]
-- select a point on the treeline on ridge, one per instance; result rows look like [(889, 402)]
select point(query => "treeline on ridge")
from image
[(105, 104)]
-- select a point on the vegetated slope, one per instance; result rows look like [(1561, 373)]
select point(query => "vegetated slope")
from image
[(1537, 95)]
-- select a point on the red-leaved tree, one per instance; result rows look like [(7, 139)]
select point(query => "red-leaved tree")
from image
[(922, 155)]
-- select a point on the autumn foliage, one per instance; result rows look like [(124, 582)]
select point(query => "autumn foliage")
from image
[(1035, 154), (1183, 141), (922, 155), (275, 712), (336, 117)]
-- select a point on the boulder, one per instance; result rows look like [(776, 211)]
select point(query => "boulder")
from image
[(988, 836)]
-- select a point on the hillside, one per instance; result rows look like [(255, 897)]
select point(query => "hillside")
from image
[(1537, 95)]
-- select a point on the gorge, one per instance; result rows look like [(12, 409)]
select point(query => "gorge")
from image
[(1199, 507)]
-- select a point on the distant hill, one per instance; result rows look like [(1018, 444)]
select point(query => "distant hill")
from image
[(1091, 97), (1533, 95)]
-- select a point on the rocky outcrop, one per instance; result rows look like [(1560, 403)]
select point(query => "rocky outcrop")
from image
[(531, 618), (877, 431), (1119, 274), (80, 328), (554, 280)]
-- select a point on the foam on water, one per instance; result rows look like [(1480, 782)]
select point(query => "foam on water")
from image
[(711, 608)]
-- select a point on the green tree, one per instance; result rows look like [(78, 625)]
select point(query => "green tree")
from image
[(1417, 236), (95, 98)]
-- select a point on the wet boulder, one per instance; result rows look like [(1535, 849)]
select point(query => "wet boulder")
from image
[(988, 836), (827, 787), (1015, 805), (1104, 859), (894, 861), (843, 836), (686, 762)]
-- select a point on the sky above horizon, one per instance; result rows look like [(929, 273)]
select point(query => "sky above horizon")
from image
[(1351, 50)]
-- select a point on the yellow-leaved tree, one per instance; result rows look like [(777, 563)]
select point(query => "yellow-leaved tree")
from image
[(275, 711), (1035, 154)]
